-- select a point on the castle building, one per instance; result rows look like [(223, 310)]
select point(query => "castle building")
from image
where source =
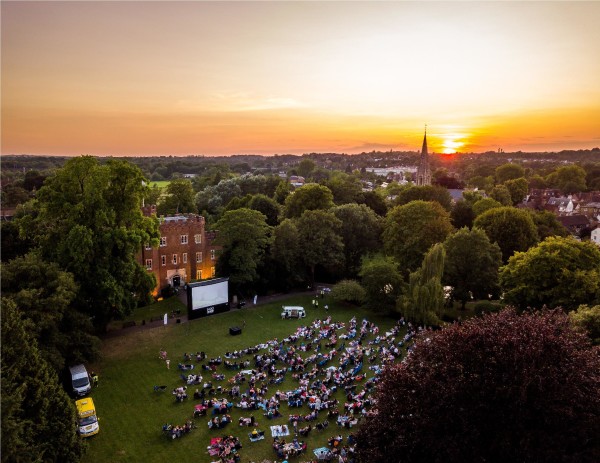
[(186, 251), (423, 176)]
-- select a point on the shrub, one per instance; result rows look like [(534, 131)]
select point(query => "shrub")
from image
[(348, 291), (501, 388)]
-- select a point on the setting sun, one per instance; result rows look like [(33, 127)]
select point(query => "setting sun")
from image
[(451, 144)]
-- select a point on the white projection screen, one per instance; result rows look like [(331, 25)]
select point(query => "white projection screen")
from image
[(208, 297)]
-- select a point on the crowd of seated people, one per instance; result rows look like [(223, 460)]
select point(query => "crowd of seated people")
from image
[(288, 449), (305, 431), (226, 448), (220, 407), (319, 375), (180, 393), (250, 421), (192, 379), (322, 425), (219, 422), (178, 431)]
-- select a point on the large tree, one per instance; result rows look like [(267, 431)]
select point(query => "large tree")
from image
[(425, 193), (497, 389), (484, 204), (178, 198), (267, 206), (44, 295), (360, 231), (87, 218), (518, 189), (569, 179), (410, 231), (381, 281), (287, 253), (423, 298), (376, 202), (587, 319), (513, 229), (557, 272), (462, 214), (547, 224), (13, 243), (507, 172), (245, 237), (310, 197), (38, 418), (501, 193), (471, 266), (345, 188), (306, 167), (320, 242), (282, 191)]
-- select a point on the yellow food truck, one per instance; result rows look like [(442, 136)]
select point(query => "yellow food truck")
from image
[(87, 421)]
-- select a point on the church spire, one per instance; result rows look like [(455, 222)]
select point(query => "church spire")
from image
[(424, 149), (423, 171)]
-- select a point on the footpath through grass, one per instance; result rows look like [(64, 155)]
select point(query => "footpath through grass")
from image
[(132, 414)]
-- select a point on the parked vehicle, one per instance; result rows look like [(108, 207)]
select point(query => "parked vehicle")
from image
[(87, 421), (80, 380), (292, 312)]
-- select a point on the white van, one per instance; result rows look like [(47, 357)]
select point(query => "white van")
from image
[(80, 380), (288, 311)]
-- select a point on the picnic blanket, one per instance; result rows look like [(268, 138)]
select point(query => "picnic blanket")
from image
[(322, 453), (280, 430), (257, 438), (213, 448)]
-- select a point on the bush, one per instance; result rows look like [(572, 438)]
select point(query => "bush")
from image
[(349, 291), (588, 319), (501, 388), (167, 291)]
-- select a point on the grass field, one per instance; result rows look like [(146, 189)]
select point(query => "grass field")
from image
[(132, 414), (160, 183), (145, 314)]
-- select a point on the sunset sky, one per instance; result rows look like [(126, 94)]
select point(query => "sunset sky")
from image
[(219, 78)]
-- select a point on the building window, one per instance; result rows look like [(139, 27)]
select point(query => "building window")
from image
[(198, 274), (184, 257), (175, 259), (184, 239), (163, 240), (212, 271), (198, 257), (198, 238), (147, 246), (148, 264), (212, 254), (163, 260)]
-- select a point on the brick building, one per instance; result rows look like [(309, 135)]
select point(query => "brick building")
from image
[(186, 252)]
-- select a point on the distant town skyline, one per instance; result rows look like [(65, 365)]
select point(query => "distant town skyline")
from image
[(225, 78)]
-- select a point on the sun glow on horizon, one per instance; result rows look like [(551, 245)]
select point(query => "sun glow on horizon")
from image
[(453, 141)]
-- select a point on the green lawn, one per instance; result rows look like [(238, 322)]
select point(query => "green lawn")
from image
[(132, 414), (145, 314), (160, 183)]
